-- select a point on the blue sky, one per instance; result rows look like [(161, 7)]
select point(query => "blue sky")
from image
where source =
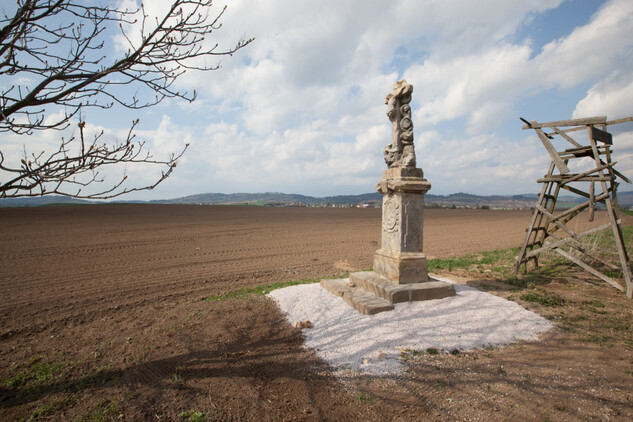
[(301, 109)]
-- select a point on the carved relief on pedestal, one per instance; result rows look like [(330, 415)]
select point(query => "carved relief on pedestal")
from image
[(391, 215)]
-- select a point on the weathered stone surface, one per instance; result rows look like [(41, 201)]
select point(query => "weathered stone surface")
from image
[(337, 287), (402, 227), (361, 300), (403, 179), (401, 267), (366, 303), (401, 172), (400, 271), (398, 293), (430, 290), (379, 286), (400, 152)]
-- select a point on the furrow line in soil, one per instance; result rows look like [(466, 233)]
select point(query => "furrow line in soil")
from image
[(106, 271)]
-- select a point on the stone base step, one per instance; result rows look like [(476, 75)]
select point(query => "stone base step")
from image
[(397, 293), (359, 299)]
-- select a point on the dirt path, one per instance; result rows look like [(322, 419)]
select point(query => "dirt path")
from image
[(102, 315)]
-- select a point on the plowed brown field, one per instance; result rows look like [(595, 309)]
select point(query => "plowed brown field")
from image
[(101, 311), (81, 262)]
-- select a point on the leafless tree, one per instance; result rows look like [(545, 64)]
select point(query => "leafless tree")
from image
[(53, 58)]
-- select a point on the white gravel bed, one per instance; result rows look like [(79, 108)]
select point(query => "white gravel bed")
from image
[(372, 344)]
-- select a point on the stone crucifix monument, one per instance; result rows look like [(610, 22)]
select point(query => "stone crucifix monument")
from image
[(400, 273)]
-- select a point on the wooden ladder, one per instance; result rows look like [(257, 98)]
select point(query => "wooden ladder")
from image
[(549, 228)]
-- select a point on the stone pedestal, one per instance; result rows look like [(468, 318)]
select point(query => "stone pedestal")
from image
[(400, 273), (400, 258)]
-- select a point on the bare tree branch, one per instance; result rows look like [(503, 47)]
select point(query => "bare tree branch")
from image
[(57, 47)]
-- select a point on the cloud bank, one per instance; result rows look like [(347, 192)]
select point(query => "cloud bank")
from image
[(301, 110)]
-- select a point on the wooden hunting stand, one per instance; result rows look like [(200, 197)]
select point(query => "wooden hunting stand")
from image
[(549, 229)]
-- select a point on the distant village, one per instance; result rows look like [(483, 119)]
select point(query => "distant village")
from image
[(379, 205)]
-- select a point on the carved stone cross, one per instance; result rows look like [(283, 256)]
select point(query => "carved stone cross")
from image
[(400, 152), (400, 273)]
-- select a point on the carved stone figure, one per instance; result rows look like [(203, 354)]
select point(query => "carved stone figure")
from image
[(400, 152), (400, 273)]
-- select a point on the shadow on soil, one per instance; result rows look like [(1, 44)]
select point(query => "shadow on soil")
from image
[(259, 354), (515, 385)]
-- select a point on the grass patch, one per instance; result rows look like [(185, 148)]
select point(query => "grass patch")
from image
[(499, 264), (36, 372), (494, 261), (177, 380), (264, 289), (104, 411), (364, 398), (46, 411), (193, 416), (546, 299), (409, 354), (600, 339)]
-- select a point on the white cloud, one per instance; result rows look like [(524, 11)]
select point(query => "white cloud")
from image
[(308, 55), (590, 50), (317, 74), (302, 108), (471, 84), (480, 85), (484, 164), (612, 97)]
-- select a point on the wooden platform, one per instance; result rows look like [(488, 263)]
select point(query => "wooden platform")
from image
[(550, 228)]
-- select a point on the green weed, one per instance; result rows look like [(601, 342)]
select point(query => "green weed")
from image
[(193, 416), (46, 411), (140, 355), (364, 398), (550, 299), (408, 354), (36, 372), (600, 339), (594, 303), (102, 412), (499, 261), (196, 315), (177, 380), (266, 288)]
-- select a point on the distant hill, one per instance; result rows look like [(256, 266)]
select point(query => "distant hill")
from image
[(268, 198), (272, 198), (460, 199), (238, 198), (39, 201)]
